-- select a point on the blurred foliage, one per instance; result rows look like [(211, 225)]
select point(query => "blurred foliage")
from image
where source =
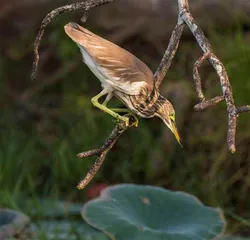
[(38, 148)]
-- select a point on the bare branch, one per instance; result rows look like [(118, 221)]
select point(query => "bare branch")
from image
[(186, 16), (208, 103), (197, 78), (102, 151), (85, 15), (169, 54), (87, 5), (243, 109)]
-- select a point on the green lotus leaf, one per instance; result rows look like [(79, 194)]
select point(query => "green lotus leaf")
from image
[(145, 212)]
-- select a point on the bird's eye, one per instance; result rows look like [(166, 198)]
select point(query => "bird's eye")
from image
[(172, 116)]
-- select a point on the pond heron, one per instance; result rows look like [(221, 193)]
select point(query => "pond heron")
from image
[(124, 76)]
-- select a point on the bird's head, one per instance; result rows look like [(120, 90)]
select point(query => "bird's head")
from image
[(167, 113)]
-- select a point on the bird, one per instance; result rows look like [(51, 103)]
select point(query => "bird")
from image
[(124, 76)]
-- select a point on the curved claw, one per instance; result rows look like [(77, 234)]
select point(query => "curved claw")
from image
[(133, 120), (130, 120), (125, 120)]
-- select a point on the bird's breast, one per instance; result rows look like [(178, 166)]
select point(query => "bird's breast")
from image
[(93, 66)]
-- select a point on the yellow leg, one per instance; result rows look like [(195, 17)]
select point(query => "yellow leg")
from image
[(109, 96), (121, 110), (95, 102)]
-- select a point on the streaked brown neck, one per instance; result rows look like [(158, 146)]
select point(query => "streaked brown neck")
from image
[(148, 103)]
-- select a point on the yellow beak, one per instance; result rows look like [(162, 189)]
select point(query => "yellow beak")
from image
[(175, 131)]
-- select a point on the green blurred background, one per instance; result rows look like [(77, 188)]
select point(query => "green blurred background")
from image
[(44, 124)]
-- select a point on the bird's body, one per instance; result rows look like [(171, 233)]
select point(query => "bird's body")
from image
[(121, 75)]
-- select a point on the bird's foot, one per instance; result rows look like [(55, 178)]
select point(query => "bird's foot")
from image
[(130, 120), (134, 121), (123, 119)]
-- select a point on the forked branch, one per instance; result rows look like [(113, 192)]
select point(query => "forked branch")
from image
[(184, 17), (101, 153)]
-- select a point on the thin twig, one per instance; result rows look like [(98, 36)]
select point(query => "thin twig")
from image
[(87, 5), (85, 15), (208, 103), (197, 78), (243, 109), (169, 53), (102, 151)]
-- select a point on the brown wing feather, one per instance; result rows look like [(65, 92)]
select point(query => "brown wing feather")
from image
[(120, 65)]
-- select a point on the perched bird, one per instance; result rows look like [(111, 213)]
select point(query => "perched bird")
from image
[(124, 76)]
